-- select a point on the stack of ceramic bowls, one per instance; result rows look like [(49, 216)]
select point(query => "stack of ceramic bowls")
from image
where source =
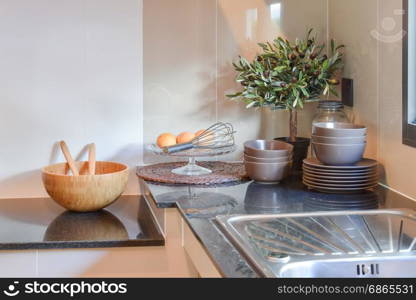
[(339, 165), (339, 145), (268, 161)]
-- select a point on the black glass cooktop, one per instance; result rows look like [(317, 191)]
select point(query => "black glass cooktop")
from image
[(42, 224)]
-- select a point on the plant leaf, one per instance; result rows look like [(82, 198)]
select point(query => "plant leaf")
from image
[(251, 104), (326, 89)]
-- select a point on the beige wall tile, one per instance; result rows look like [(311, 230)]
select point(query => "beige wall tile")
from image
[(188, 50), (351, 23), (374, 61), (243, 24), (179, 67), (398, 159), (70, 70)]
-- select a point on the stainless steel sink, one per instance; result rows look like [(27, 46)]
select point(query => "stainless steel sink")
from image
[(376, 243)]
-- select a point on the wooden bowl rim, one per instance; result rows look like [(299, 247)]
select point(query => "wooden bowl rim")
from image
[(125, 168)]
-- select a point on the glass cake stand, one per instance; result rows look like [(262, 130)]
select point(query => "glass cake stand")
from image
[(192, 169)]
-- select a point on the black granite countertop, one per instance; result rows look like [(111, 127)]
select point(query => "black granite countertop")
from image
[(42, 224), (200, 206)]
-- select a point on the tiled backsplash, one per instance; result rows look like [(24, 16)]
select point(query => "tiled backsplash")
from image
[(189, 46), (83, 82), (376, 67), (69, 70)]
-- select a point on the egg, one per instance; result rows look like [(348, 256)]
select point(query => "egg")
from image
[(199, 132), (185, 137), (208, 136), (166, 140)]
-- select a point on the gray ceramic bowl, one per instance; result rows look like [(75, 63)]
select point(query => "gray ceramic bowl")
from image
[(339, 130), (339, 140), (268, 173), (267, 160), (339, 155), (267, 149)]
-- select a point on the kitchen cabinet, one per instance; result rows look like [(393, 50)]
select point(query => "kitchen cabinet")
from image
[(199, 257), (183, 244), (174, 226)]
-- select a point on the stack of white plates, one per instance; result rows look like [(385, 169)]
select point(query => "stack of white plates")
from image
[(360, 176)]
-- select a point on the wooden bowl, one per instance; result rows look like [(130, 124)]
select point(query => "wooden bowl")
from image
[(85, 193)]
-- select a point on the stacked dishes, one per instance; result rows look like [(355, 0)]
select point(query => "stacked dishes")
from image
[(267, 161), (339, 167), (335, 179), (342, 144)]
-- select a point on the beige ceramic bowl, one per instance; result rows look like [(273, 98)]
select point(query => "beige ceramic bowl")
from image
[(266, 160), (268, 173), (267, 149), (339, 155), (339, 140), (339, 130), (85, 193)]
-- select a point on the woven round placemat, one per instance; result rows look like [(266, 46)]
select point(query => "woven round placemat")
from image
[(221, 173)]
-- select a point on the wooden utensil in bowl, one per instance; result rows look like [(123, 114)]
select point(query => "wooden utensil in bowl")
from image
[(91, 159), (85, 192), (69, 159)]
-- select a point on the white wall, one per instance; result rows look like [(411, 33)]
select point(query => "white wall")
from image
[(70, 69)]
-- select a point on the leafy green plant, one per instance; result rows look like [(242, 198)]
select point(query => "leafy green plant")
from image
[(286, 75)]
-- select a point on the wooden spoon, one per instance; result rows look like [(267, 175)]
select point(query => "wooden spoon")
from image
[(91, 159), (69, 159)]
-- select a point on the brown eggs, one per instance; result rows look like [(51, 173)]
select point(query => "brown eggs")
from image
[(185, 137), (169, 139), (199, 132), (208, 136), (166, 140)]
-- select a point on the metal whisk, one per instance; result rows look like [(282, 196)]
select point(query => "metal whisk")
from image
[(220, 135)]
